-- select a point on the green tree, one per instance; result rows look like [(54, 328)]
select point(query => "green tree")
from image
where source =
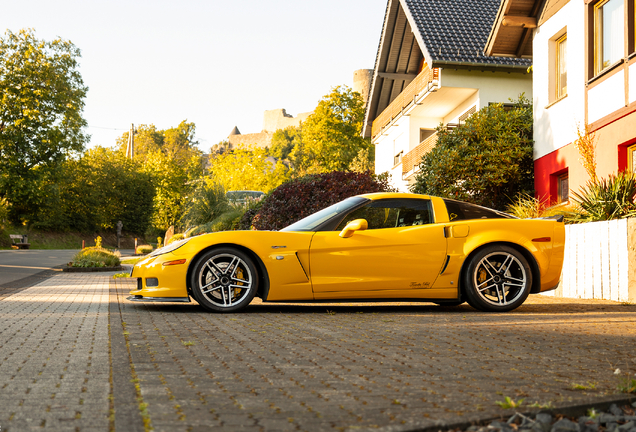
[(174, 163), (41, 102), (331, 135), (147, 140), (95, 191), (284, 141), (176, 143), (486, 161), (172, 187), (248, 168)]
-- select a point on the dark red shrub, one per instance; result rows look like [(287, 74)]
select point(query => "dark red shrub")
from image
[(299, 198)]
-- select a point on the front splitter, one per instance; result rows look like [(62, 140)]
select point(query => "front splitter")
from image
[(137, 298)]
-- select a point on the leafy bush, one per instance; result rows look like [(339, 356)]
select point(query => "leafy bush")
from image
[(143, 249), (607, 199), (95, 257), (299, 198), (228, 221), (486, 161), (245, 223)]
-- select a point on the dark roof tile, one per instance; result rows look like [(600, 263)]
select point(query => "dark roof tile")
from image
[(457, 30)]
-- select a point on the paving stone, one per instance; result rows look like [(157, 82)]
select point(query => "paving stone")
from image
[(293, 367)]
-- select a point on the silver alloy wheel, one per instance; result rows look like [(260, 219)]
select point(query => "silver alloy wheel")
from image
[(500, 278), (225, 280)]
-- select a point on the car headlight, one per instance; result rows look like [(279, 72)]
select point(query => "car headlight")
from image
[(171, 247)]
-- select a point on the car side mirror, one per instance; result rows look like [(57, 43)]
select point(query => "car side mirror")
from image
[(353, 226)]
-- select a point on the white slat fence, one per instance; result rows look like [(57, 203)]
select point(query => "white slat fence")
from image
[(600, 261)]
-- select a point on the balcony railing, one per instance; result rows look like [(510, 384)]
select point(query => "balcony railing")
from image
[(413, 158), (422, 81)]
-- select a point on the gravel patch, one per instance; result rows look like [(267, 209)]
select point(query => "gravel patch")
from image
[(615, 419)]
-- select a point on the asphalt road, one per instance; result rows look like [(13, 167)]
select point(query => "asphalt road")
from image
[(20, 264)]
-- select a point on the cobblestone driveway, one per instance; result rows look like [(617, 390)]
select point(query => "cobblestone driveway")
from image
[(293, 367)]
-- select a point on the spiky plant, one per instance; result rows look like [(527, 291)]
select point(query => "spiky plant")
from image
[(526, 206), (607, 199)]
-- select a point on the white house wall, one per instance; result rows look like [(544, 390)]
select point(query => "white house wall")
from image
[(555, 122), (393, 140), (632, 83), (493, 86), (460, 90), (606, 97)]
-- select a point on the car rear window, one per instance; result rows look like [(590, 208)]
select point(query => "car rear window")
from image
[(458, 210)]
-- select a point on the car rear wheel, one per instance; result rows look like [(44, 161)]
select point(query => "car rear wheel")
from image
[(224, 280), (498, 279)]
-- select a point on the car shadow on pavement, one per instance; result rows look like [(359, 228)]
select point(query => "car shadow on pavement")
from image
[(560, 306)]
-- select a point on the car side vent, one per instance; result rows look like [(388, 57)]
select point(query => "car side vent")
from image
[(445, 264)]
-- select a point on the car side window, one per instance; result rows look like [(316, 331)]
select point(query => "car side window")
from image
[(458, 210), (392, 213)]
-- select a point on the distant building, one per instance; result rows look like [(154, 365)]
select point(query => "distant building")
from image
[(279, 119), (430, 69), (362, 79), (272, 121)]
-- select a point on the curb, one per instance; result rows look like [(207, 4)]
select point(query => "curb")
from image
[(567, 410)]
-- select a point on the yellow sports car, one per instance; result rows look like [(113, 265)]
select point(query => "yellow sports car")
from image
[(381, 246)]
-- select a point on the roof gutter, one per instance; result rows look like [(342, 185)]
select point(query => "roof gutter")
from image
[(482, 66)]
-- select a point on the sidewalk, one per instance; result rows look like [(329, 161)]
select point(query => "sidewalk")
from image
[(54, 363), (293, 367)]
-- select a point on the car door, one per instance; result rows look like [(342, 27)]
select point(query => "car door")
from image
[(402, 248)]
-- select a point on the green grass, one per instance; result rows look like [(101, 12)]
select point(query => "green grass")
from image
[(588, 386), (62, 240), (132, 260), (510, 403), (39, 240)]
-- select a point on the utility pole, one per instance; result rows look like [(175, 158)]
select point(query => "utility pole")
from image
[(130, 148)]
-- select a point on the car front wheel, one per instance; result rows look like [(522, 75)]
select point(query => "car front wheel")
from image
[(498, 279), (224, 280)]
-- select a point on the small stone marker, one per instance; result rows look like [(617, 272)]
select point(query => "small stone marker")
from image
[(119, 227)]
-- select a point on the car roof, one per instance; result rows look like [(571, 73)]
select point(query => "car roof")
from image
[(382, 195)]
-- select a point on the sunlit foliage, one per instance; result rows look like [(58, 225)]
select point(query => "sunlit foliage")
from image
[(41, 102)]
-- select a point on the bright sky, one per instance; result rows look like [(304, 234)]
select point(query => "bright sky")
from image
[(218, 64)]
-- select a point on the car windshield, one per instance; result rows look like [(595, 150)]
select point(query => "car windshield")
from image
[(310, 223)]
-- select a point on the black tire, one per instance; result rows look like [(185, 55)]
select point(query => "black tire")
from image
[(498, 279), (224, 280)]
